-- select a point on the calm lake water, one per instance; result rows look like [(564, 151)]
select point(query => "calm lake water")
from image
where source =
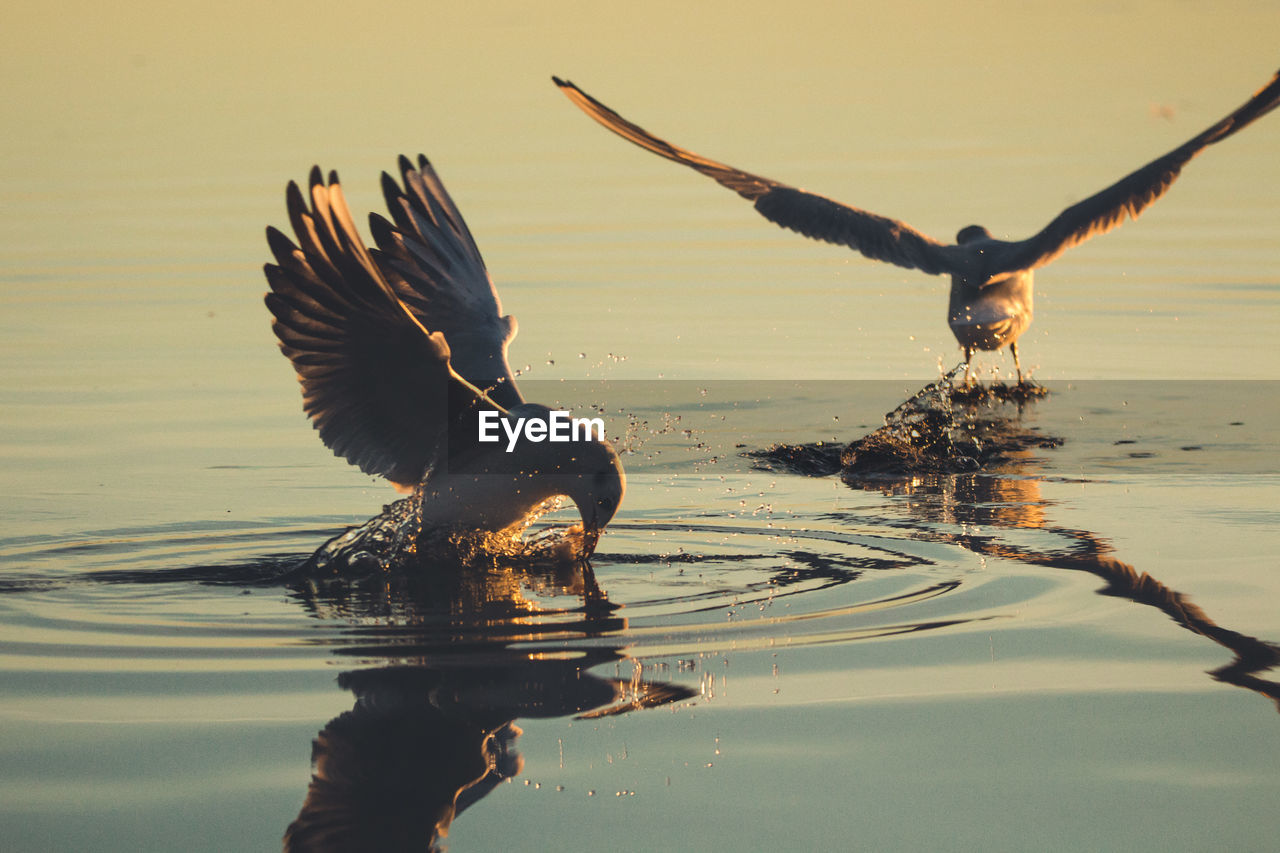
[(1076, 650)]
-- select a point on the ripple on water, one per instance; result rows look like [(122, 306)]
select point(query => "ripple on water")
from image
[(161, 600)]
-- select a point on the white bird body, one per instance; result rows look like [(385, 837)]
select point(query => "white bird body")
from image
[(486, 487), (991, 315)]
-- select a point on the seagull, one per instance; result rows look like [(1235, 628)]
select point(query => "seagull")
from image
[(402, 349), (991, 279)]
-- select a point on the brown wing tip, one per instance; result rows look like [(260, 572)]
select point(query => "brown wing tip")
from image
[(281, 246), (293, 196)]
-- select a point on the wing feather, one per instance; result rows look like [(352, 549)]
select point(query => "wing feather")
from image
[(817, 217), (1128, 197), (431, 262), (376, 384)]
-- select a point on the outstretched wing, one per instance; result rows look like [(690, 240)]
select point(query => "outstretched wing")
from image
[(814, 216), (1129, 196), (377, 385), (432, 264)]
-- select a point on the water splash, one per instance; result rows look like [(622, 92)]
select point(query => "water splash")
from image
[(396, 540), (944, 428)]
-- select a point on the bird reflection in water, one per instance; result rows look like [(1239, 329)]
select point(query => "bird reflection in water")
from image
[(962, 465), (992, 501), (433, 728)]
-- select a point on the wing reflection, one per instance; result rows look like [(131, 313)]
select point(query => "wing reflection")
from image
[(1006, 495), (446, 671), (1002, 503)]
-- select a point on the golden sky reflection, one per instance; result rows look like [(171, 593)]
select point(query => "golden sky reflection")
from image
[(153, 143)]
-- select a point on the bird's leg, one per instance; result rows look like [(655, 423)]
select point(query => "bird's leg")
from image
[(968, 374), (1017, 366)]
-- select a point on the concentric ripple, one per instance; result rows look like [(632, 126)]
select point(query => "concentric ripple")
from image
[(214, 598), (207, 597)]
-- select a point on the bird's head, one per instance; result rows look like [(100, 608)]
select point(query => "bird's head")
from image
[(580, 465), (971, 234), (597, 490)]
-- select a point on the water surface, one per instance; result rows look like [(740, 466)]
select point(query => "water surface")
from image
[(1076, 650)]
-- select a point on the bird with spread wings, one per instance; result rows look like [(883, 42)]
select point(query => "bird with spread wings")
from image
[(991, 279), (400, 348)]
